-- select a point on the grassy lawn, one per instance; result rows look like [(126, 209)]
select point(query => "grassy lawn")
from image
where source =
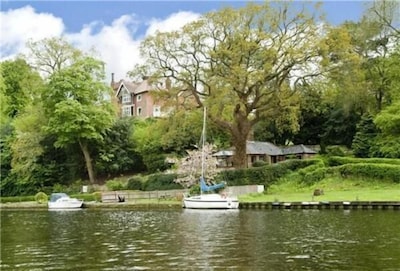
[(335, 189)]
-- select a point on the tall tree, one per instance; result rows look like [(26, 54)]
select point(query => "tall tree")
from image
[(50, 55), (242, 64), (363, 140), (21, 85), (76, 107)]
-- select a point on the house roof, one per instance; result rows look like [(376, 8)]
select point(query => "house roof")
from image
[(143, 87), (296, 149), (223, 153), (257, 147), (135, 88)]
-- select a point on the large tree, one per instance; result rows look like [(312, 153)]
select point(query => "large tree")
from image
[(243, 64), (50, 55), (76, 106)]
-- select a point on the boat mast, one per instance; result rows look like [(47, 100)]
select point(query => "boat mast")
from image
[(203, 142)]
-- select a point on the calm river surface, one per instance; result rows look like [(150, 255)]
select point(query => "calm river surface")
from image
[(200, 240)]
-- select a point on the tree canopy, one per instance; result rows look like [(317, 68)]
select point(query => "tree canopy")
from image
[(244, 64)]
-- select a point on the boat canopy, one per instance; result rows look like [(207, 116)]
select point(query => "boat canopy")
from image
[(56, 196), (207, 188)]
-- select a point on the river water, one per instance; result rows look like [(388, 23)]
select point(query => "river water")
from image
[(200, 240)]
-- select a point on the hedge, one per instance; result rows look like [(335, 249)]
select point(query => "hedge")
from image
[(265, 175), (161, 182), (338, 161), (371, 171)]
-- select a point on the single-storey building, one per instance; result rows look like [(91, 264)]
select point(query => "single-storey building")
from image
[(265, 151)]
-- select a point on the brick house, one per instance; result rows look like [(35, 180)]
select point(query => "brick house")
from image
[(265, 151), (135, 99)]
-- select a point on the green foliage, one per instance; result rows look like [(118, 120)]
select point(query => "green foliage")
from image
[(116, 153), (259, 163), (238, 61), (372, 171), (115, 185), (21, 86), (41, 197), (265, 175), (17, 199), (148, 145), (97, 196), (135, 183), (337, 161), (363, 140), (336, 150), (161, 182), (388, 121), (88, 197)]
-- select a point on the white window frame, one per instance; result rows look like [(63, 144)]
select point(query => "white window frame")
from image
[(156, 111), (126, 98), (126, 111), (139, 97)]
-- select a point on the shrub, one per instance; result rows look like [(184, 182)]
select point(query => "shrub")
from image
[(314, 176), (161, 182), (265, 175), (86, 197), (97, 196), (336, 151), (17, 199), (337, 161), (259, 163), (115, 185), (41, 197), (135, 183), (373, 171)]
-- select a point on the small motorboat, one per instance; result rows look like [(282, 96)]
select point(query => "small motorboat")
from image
[(63, 201)]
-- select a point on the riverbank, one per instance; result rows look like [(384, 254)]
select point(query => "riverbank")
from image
[(346, 205)]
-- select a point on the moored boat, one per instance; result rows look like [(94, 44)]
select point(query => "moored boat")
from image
[(208, 199), (63, 201)]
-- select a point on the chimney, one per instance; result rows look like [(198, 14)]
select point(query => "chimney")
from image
[(112, 79)]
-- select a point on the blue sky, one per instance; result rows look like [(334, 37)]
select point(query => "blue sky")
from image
[(115, 28), (77, 13)]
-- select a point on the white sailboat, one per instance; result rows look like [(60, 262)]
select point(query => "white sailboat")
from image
[(208, 199)]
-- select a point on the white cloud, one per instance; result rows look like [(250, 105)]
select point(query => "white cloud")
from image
[(173, 22), (20, 25), (115, 43)]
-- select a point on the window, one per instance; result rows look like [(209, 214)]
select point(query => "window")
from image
[(139, 98), (126, 98), (127, 111), (139, 111), (156, 111)]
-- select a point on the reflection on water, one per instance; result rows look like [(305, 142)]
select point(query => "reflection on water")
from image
[(200, 240)]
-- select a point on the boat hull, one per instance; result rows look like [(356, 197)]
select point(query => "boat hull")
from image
[(210, 201), (66, 205)]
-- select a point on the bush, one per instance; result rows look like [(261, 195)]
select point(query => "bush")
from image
[(86, 197), (314, 176), (115, 185), (259, 163), (161, 182), (17, 199), (372, 171), (97, 196), (336, 151), (265, 175), (41, 197), (135, 183), (337, 161)]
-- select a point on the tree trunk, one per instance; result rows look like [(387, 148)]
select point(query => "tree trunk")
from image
[(88, 160), (240, 132)]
